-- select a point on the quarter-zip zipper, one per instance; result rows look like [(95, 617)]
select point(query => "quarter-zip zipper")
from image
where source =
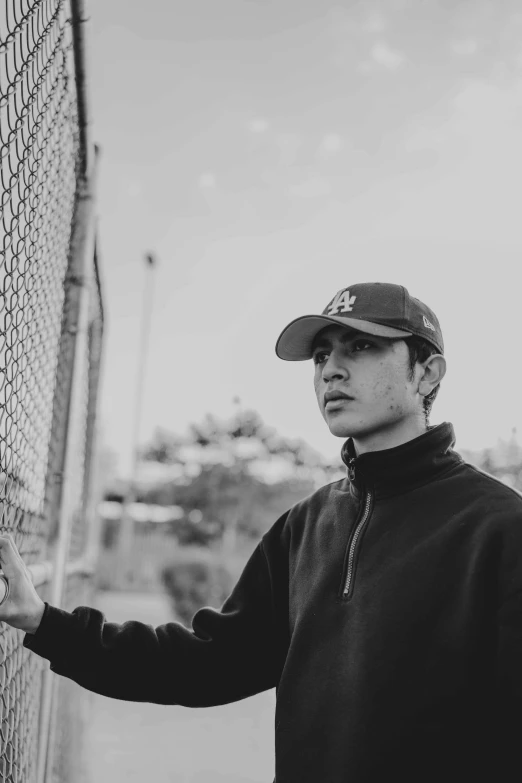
[(353, 544), (357, 532)]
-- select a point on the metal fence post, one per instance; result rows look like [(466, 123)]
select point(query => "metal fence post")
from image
[(92, 490), (76, 311)]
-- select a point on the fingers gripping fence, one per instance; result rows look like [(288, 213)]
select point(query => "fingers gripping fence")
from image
[(51, 326)]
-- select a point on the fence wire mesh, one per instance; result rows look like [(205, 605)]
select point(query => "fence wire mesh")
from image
[(39, 153), (68, 760), (42, 160)]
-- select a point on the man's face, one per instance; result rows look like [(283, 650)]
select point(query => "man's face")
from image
[(374, 372)]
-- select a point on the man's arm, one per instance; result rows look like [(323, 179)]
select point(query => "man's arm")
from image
[(227, 655)]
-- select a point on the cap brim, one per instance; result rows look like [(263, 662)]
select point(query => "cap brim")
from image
[(294, 344)]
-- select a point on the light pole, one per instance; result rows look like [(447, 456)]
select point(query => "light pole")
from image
[(126, 533)]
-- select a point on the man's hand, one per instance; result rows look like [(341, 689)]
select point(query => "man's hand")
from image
[(24, 608)]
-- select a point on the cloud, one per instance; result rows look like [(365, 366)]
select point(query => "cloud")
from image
[(464, 47), (374, 22), (134, 189), (344, 23), (383, 54), (518, 60), (258, 125), (207, 180), (288, 145), (314, 187), (474, 189), (351, 29), (330, 145)]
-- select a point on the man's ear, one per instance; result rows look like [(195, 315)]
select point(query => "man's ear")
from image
[(433, 373)]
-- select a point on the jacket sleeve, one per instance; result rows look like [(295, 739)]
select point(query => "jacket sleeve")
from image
[(227, 655)]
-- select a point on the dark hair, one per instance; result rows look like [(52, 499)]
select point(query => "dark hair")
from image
[(420, 350)]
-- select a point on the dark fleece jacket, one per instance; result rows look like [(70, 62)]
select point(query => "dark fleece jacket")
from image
[(386, 609)]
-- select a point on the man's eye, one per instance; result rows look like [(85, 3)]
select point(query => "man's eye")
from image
[(319, 357), (356, 347), (360, 345)]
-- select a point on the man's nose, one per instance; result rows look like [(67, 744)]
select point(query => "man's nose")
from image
[(334, 368)]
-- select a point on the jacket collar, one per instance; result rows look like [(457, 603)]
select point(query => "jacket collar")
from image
[(402, 468)]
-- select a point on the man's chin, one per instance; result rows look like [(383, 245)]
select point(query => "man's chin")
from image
[(342, 428)]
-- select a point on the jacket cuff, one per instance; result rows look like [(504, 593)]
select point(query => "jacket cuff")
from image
[(56, 626)]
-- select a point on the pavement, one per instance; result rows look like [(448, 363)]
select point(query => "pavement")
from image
[(127, 742)]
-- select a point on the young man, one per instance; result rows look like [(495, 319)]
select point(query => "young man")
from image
[(386, 608)]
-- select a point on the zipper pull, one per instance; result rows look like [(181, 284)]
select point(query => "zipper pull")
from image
[(351, 469)]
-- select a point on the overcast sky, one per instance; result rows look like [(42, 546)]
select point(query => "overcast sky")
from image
[(271, 153)]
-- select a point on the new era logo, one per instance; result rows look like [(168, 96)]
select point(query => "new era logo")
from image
[(428, 324), (342, 303)]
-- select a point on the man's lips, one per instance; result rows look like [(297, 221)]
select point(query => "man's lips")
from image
[(336, 399), (333, 405)]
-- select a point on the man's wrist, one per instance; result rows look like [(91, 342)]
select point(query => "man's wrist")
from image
[(33, 621)]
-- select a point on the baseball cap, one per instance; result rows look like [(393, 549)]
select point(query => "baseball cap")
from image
[(381, 309)]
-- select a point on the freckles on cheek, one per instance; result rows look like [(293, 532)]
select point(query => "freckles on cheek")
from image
[(382, 387)]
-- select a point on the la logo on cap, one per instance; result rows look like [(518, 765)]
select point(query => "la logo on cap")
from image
[(342, 303)]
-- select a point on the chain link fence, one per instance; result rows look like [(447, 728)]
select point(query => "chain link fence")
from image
[(51, 328)]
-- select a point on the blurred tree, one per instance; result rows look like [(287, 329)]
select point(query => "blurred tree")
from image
[(194, 583), (239, 473), (503, 461)]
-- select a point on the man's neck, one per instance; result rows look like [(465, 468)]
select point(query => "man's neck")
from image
[(388, 439)]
